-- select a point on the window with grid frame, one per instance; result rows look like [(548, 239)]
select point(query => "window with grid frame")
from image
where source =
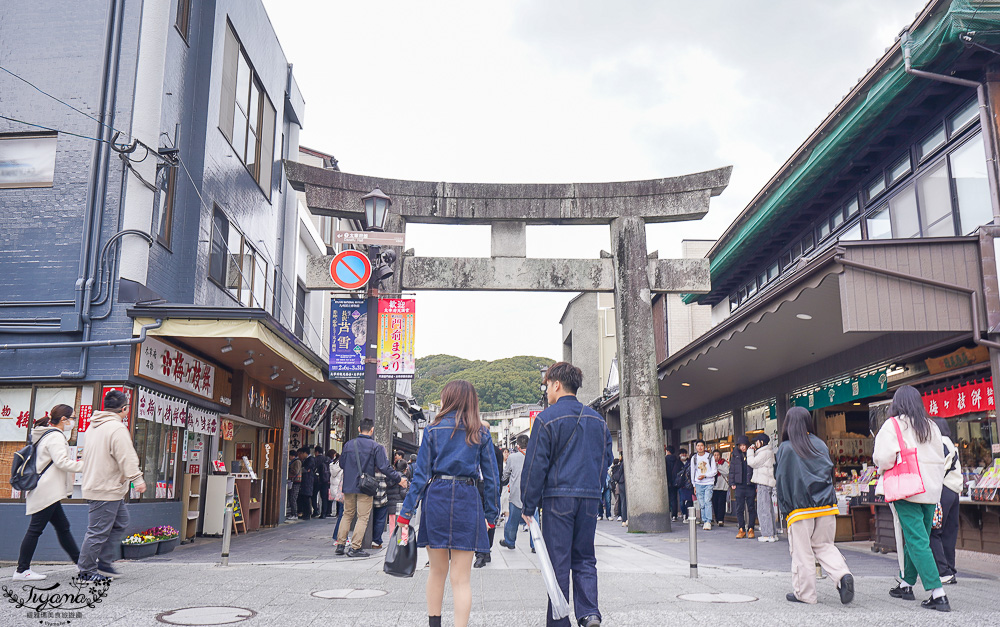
[(246, 116)]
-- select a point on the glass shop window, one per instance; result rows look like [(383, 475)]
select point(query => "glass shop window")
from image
[(931, 143), (972, 190), (157, 446), (879, 224), (964, 117), (934, 194)]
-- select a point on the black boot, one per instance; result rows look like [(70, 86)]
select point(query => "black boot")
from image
[(480, 560), (434, 621)]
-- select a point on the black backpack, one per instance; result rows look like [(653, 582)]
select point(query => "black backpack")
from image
[(24, 473)]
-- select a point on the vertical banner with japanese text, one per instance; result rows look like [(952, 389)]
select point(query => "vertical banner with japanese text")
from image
[(396, 317), (347, 338)]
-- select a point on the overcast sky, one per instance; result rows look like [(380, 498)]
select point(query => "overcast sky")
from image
[(556, 91)]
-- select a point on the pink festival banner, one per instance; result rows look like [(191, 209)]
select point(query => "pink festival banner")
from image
[(396, 317)]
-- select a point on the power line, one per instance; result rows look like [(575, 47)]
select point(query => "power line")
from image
[(49, 128), (59, 100)]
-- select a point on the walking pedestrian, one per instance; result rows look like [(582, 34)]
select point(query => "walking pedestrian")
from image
[(484, 557), (616, 500), (807, 499), (604, 511), (336, 488), (944, 533), (512, 472), (322, 464), (56, 469), (306, 484), (619, 476), (703, 472), (685, 487), (295, 483), (673, 465), (395, 495), (720, 495), (909, 422), (760, 456), (744, 490), (456, 450), (110, 464), (380, 510), (562, 475), (361, 455)]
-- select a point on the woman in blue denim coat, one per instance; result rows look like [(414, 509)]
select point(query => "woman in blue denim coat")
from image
[(455, 453)]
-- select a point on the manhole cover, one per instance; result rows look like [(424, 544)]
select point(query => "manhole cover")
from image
[(716, 597), (213, 615), (349, 593)]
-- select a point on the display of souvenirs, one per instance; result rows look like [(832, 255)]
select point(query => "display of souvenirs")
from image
[(850, 450), (988, 486)]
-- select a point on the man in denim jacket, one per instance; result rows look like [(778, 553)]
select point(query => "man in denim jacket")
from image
[(568, 455)]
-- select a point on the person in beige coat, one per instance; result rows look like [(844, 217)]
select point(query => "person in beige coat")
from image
[(43, 504), (109, 465)]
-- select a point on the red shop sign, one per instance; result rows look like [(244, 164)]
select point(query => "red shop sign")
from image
[(964, 399)]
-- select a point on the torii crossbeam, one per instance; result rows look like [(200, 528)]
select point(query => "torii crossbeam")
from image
[(627, 271)]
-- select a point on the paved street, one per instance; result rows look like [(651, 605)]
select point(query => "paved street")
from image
[(276, 572)]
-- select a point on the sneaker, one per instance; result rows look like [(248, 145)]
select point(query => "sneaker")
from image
[(352, 552), (377, 545), (504, 544), (750, 533), (108, 570), (339, 550), (722, 523), (619, 518), (590, 621), (762, 539), (792, 598), (624, 523), (772, 539), (28, 575), (846, 588), (902, 592), (940, 604), (950, 579), (707, 527), (93, 577)]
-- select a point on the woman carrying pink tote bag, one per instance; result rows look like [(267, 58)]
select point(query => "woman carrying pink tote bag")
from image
[(909, 453)]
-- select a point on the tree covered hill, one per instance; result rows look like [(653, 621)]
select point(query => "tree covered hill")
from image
[(500, 383)]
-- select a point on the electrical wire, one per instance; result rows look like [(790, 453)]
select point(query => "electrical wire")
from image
[(49, 128)]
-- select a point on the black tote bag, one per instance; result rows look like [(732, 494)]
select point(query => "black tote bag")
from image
[(401, 559)]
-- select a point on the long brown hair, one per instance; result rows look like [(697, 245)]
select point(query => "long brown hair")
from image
[(459, 396), (58, 413)]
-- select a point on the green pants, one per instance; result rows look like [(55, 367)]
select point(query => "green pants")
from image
[(916, 520)]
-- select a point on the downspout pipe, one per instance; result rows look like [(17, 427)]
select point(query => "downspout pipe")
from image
[(971, 293), (83, 345), (984, 118)]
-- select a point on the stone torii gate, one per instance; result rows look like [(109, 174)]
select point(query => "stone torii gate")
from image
[(628, 271)]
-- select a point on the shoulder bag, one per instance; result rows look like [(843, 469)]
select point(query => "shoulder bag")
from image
[(367, 484), (903, 480)]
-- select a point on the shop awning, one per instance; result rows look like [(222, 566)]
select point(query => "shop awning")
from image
[(274, 350), (822, 310)]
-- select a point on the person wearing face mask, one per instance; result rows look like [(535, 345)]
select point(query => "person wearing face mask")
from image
[(56, 469)]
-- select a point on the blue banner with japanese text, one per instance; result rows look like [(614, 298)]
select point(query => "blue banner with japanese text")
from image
[(347, 338)]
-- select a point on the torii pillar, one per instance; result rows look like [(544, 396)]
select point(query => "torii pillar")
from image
[(629, 272)]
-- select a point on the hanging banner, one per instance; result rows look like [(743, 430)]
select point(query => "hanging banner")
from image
[(309, 412), (84, 415), (347, 338), (166, 410), (202, 421), (964, 399), (227, 429), (842, 391), (396, 317)]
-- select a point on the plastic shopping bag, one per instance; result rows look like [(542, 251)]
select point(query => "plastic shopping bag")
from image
[(560, 606), (401, 559)]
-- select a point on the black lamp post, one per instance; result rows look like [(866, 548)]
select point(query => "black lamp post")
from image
[(376, 211)]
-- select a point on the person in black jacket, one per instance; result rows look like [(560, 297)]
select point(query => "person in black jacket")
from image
[(618, 476), (806, 497), (321, 465), (673, 465), (744, 490), (305, 500), (483, 558), (685, 487)]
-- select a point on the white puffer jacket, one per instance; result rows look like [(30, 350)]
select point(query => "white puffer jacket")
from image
[(762, 461), (57, 482)]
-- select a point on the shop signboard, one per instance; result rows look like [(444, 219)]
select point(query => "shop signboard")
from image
[(228, 429), (963, 399), (258, 402), (161, 408), (168, 365), (396, 333), (85, 413), (15, 414), (958, 359), (843, 391), (347, 338), (309, 412), (202, 421)]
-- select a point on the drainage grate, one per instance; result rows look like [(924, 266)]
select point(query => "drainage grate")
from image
[(716, 597), (349, 593), (212, 615)]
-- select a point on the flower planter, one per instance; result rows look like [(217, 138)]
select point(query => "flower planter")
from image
[(166, 546), (139, 551)]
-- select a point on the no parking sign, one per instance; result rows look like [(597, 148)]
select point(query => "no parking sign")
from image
[(350, 269)]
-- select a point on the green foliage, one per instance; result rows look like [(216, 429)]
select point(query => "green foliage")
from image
[(500, 383)]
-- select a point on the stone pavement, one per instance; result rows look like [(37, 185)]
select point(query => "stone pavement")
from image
[(275, 573)]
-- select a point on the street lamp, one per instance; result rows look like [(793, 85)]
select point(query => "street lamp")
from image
[(376, 209)]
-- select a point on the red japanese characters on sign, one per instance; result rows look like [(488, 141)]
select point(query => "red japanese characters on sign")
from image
[(86, 411), (159, 361), (964, 399), (127, 419), (396, 359)]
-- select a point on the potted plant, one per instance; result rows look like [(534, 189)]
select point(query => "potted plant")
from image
[(167, 536), (138, 546)]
